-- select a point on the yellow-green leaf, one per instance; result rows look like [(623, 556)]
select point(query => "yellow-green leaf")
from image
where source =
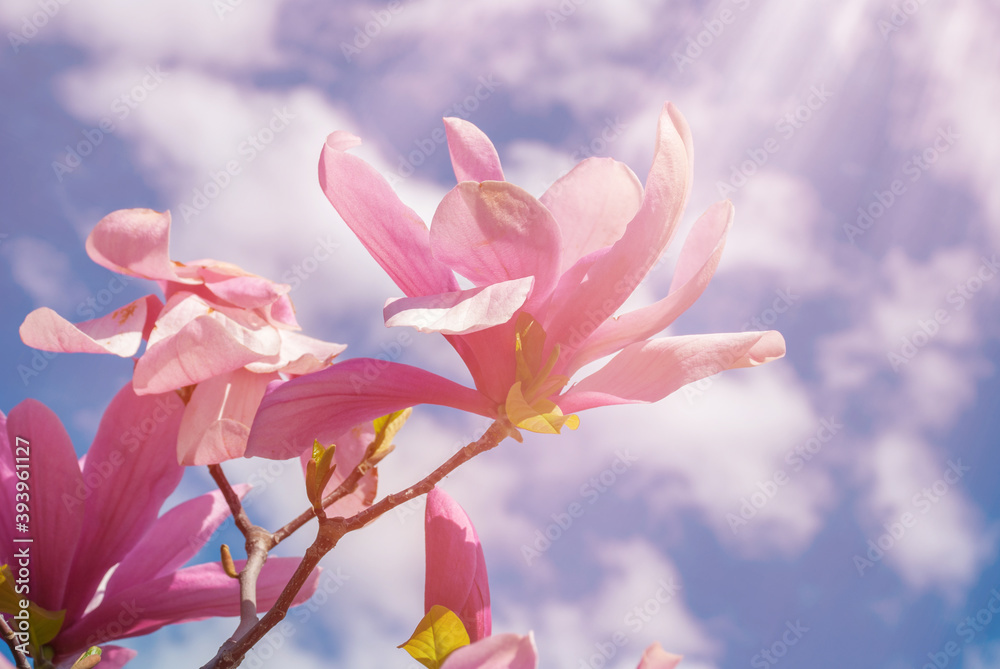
[(437, 635), (386, 428), (89, 659)]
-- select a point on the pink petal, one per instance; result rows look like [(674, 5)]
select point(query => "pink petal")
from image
[(614, 276), (299, 354), (282, 313), (657, 658), (503, 651), (460, 312), (120, 332), (54, 524), (649, 371), (217, 419), (175, 537), (593, 205), (193, 341), (134, 242), (247, 292), (495, 231), (327, 403), (392, 232), (351, 448), (455, 566), (472, 153), (130, 470), (695, 267), (194, 593)]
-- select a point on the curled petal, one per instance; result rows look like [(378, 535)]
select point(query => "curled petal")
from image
[(120, 332), (135, 242), (460, 312), (657, 658), (473, 155), (649, 371), (299, 354)]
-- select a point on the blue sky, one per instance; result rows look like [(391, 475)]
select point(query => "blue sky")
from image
[(858, 141)]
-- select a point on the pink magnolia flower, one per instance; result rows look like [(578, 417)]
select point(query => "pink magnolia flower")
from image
[(225, 330), (456, 579), (99, 553), (456, 568), (547, 277)]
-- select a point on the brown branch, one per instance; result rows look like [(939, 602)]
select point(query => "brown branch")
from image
[(331, 530), (346, 487), (20, 660)]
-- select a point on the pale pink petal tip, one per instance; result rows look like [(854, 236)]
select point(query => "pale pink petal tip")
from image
[(770, 346), (657, 658), (341, 140), (134, 242)]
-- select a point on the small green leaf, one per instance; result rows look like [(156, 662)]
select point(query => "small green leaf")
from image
[(386, 428), (318, 451), (437, 635), (89, 659)]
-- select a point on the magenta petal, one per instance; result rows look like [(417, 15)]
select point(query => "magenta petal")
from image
[(119, 332), (7, 483), (503, 651), (217, 419), (327, 403), (455, 566), (134, 242), (55, 523), (698, 259), (461, 312), (495, 231), (473, 155), (649, 371), (657, 658), (392, 232), (593, 205), (615, 275), (351, 448), (173, 539), (193, 341), (130, 470), (195, 593)]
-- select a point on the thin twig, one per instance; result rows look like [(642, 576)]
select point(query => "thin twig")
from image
[(331, 530), (20, 660), (346, 487)]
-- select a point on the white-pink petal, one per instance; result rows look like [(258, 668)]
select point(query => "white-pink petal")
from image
[(473, 155), (134, 242), (119, 332), (460, 312), (501, 651)]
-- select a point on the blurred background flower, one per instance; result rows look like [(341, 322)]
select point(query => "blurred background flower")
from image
[(842, 498)]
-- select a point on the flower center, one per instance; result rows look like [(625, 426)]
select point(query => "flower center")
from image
[(528, 405)]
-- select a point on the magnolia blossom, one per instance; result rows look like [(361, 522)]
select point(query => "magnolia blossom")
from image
[(547, 277), (102, 564), (457, 580), (222, 329)]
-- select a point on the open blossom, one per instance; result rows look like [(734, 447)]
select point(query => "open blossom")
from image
[(103, 564), (547, 277), (225, 330), (456, 579)]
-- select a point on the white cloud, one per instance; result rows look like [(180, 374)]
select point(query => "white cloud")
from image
[(44, 272)]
